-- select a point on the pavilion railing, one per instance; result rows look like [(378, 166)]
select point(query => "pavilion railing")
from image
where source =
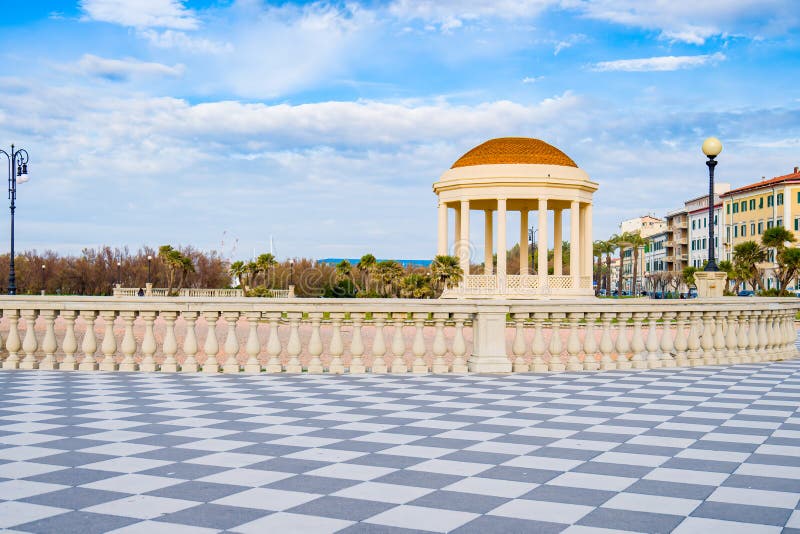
[(235, 335)]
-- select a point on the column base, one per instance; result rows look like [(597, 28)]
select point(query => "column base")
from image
[(710, 284)]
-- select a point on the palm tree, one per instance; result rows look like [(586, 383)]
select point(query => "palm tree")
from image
[(387, 273), (366, 265), (252, 269), (186, 267), (416, 286), (620, 243), (597, 252), (777, 237), (172, 259), (608, 247), (635, 241), (265, 262), (343, 270), (746, 256), (446, 271), (236, 270)]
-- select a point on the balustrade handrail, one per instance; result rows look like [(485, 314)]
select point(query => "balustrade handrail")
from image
[(600, 333)]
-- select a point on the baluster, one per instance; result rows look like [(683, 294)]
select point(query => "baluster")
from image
[(70, 344), (719, 338), (780, 325), (788, 324), (653, 354), (459, 344), (149, 347), (293, 347), (768, 326), (772, 332), (49, 343), (170, 345), (681, 343), (336, 347), (109, 345), (315, 343), (623, 346), (574, 343), (89, 343), (606, 344), (253, 345), (231, 347), (590, 362), (707, 340), (439, 344), (752, 337), (379, 344), (274, 344), (638, 360), (742, 340), (29, 343), (211, 346), (418, 346), (667, 345), (12, 342), (398, 344), (731, 340), (555, 348), (357, 345), (128, 342), (538, 346), (763, 338), (693, 343), (519, 347), (189, 364)]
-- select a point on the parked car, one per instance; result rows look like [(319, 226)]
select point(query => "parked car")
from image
[(692, 293), (747, 293)]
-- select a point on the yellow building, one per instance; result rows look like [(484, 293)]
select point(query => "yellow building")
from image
[(750, 210)]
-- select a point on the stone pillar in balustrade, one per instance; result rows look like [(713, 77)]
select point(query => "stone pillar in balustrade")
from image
[(489, 341)]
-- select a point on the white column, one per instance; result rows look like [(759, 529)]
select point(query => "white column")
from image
[(501, 238), (488, 246), (586, 228), (574, 243), (441, 249), (523, 241), (557, 240), (542, 239), (464, 248), (457, 231)]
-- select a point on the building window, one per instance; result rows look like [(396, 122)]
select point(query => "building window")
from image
[(705, 222), (744, 230), (728, 232), (780, 222), (780, 199), (743, 206), (797, 222), (715, 218), (728, 206), (704, 241), (769, 225), (770, 201), (760, 227), (752, 203), (693, 221), (798, 197), (752, 228)]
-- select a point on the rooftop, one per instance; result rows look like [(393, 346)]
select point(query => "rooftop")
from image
[(514, 150), (791, 177)]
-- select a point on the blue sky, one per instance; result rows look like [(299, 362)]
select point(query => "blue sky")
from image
[(324, 124)]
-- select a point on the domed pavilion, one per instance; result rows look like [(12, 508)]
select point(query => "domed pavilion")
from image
[(519, 174)]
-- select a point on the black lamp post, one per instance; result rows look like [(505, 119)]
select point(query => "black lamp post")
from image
[(711, 148), (119, 273), (149, 260), (291, 272), (17, 172), (532, 238), (44, 279)]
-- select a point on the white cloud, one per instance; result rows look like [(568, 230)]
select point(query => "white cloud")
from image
[(185, 42), (141, 13), (691, 21), (660, 63), (123, 69), (532, 79), (449, 14)]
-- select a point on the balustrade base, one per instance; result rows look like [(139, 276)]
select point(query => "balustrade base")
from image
[(67, 366)]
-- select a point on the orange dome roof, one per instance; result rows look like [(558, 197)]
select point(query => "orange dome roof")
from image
[(514, 150)]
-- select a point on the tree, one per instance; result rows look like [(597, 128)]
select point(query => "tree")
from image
[(186, 267), (173, 261), (387, 273), (727, 267), (252, 269), (416, 286), (777, 237), (237, 271), (608, 246), (343, 270), (365, 266), (446, 271), (620, 242), (597, 252), (746, 256), (635, 241), (688, 275), (265, 262)]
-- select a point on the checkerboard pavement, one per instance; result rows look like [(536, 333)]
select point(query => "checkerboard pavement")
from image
[(687, 450)]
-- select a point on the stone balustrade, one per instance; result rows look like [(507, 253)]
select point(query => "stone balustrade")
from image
[(389, 335)]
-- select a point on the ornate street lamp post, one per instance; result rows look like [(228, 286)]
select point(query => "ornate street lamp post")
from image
[(149, 260), (711, 148), (291, 272), (17, 173), (119, 273), (44, 279)]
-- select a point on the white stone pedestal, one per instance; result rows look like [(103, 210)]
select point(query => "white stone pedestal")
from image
[(710, 283)]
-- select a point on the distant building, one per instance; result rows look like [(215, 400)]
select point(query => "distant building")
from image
[(646, 226), (697, 210)]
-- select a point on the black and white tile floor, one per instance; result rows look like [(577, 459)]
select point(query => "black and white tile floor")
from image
[(710, 449)]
